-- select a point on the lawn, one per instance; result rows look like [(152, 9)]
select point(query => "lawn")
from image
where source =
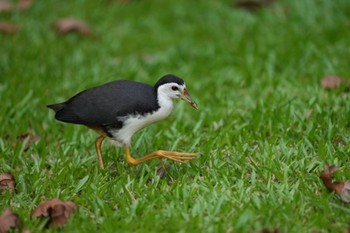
[(265, 125)]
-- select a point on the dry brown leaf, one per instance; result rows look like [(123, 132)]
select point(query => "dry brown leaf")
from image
[(7, 182), (67, 25), (327, 176), (331, 82), (57, 211), (8, 220), (252, 5), (5, 6), (341, 188), (24, 4), (8, 28), (29, 139)]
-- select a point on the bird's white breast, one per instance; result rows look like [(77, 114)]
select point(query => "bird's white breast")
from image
[(134, 123)]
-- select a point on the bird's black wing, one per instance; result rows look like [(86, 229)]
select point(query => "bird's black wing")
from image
[(103, 105)]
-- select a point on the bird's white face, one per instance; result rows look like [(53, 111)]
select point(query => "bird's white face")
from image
[(173, 90), (177, 91)]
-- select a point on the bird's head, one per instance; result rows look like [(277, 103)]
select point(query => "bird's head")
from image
[(175, 88)]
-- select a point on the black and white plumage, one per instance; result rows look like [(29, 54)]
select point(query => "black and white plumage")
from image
[(119, 109)]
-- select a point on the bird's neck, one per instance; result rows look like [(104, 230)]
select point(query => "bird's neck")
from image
[(165, 102)]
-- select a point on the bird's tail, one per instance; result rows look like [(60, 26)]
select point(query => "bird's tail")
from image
[(56, 107)]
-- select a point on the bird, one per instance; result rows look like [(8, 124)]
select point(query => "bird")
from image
[(118, 109)]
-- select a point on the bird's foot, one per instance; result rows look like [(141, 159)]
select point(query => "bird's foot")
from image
[(161, 154), (180, 157)]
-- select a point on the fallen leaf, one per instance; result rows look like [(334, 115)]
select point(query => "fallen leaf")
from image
[(327, 176), (28, 139), (341, 188), (8, 28), (67, 25), (24, 4), (252, 5), (5, 6), (344, 191), (8, 220), (7, 182), (331, 82), (57, 211)]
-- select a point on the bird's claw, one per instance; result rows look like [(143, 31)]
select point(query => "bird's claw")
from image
[(178, 156)]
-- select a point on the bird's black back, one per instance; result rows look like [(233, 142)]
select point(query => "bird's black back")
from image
[(103, 105)]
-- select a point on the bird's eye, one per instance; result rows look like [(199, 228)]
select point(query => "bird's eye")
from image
[(175, 88)]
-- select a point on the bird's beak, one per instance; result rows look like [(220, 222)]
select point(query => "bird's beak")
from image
[(186, 97)]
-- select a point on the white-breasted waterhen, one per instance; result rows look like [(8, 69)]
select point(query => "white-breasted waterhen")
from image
[(117, 110)]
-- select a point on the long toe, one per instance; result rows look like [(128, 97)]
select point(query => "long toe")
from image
[(178, 156), (174, 159)]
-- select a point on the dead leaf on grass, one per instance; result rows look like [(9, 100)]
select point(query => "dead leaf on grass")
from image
[(8, 28), (28, 139), (8, 221), (68, 25), (5, 6), (331, 82), (24, 4), (7, 182), (56, 210), (341, 188), (252, 5)]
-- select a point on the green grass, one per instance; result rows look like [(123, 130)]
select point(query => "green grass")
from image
[(255, 77)]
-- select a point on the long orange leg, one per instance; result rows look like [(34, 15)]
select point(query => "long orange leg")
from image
[(160, 154), (98, 144)]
